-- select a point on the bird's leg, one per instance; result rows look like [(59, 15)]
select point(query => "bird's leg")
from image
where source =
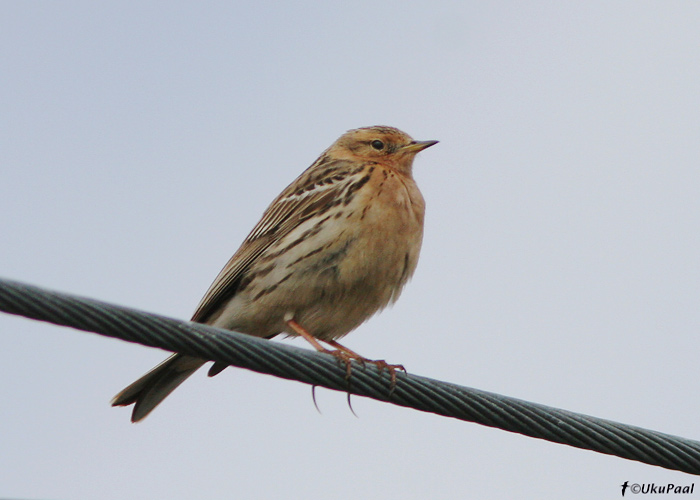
[(380, 363), (345, 354), (300, 330), (348, 351), (342, 355)]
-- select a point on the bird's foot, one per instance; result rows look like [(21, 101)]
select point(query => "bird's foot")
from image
[(379, 363), (346, 355)]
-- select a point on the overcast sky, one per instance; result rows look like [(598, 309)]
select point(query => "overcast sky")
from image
[(141, 141)]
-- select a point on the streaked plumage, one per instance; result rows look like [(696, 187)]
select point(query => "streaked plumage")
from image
[(336, 246)]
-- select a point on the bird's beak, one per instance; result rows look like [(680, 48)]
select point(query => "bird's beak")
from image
[(416, 146)]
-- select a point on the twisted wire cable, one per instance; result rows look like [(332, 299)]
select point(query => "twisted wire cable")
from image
[(412, 391)]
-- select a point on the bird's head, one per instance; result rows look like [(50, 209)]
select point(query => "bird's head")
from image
[(385, 145)]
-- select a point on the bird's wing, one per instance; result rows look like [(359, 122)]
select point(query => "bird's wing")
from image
[(318, 189)]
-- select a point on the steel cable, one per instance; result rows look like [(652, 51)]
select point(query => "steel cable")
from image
[(412, 391)]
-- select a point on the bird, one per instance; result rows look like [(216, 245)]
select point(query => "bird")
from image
[(336, 246)]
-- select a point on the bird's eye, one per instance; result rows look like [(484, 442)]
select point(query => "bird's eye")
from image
[(377, 144)]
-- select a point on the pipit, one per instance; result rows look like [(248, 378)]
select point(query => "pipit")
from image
[(336, 246)]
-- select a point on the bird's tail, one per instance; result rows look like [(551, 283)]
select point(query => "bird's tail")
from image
[(148, 391)]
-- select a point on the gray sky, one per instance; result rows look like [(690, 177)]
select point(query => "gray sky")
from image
[(141, 141)]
